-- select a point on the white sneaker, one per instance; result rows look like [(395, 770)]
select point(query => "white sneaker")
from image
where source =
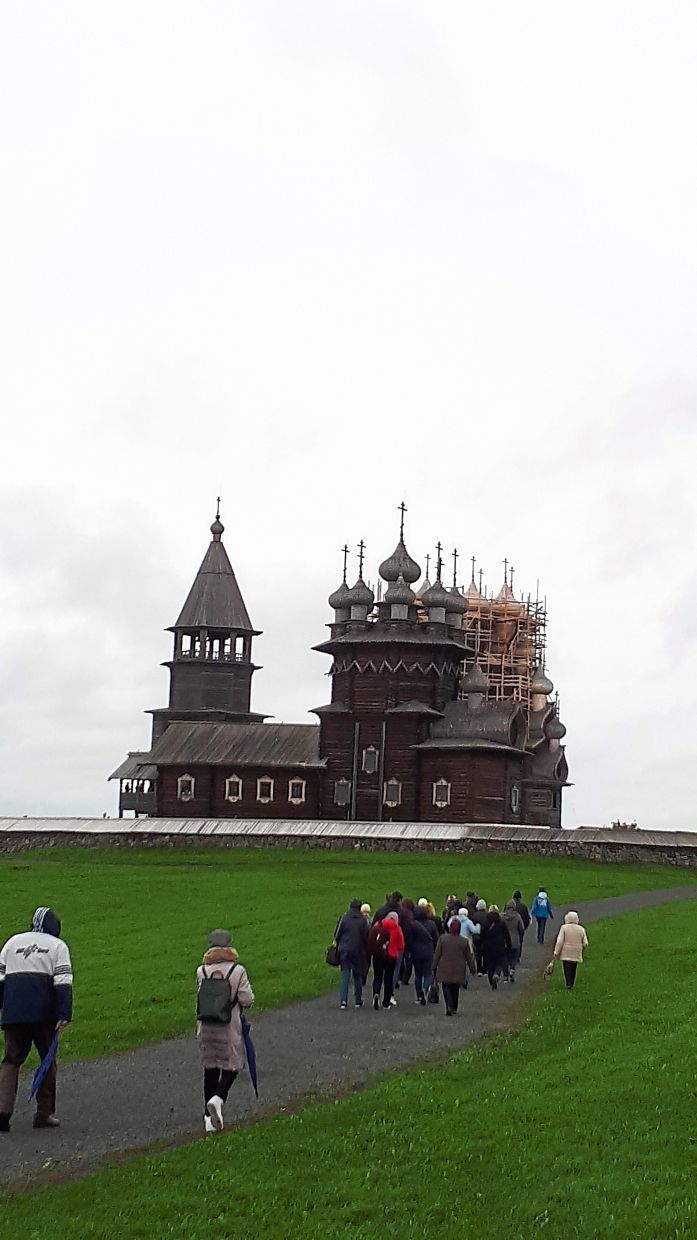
[(393, 1002), (215, 1110), (208, 1124)]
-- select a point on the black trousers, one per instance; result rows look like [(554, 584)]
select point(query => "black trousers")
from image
[(569, 967), (216, 1083), (383, 978), (451, 996)]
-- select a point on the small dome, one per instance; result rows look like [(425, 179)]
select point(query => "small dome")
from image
[(505, 594), (555, 730), (474, 680), (437, 596), (217, 529), (541, 684), (340, 597), (359, 595), (400, 564), (457, 604), (473, 596), (400, 592)]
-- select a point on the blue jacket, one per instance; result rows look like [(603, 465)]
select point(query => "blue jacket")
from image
[(36, 975), (541, 906)]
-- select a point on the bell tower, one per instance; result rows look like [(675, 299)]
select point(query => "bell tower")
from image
[(211, 667)]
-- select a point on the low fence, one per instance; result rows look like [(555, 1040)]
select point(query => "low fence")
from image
[(655, 847)]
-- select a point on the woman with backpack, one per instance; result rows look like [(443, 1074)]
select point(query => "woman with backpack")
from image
[(223, 992), (541, 910), (385, 946)]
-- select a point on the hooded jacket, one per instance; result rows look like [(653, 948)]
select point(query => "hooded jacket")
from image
[(421, 938), (393, 930), (36, 975), (352, 939), (498, 939), (541, 906), (522, 908), (222, 1046), (571, 940), (513, 922)]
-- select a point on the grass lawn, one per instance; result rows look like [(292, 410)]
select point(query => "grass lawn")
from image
[(579, 1126), (137, 922)]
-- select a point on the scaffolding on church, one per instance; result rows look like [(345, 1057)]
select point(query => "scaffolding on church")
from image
[(509, 638)]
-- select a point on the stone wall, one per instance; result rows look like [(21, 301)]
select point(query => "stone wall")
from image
[(609, 851)]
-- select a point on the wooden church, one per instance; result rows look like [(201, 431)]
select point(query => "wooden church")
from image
[(440, 708)]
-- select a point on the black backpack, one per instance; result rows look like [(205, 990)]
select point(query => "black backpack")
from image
[(215, 1003)]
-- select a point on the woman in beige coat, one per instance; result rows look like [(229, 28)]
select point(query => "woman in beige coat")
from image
[(569, 947), (222, 1045)]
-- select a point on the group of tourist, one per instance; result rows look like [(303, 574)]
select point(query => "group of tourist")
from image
[(469, 937), (400, 939)]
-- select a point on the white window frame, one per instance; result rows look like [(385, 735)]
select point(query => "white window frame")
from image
[(392, 803), (374, 760), (297, 800), (228, 795), (515, 799), (441, 799), (186, 796), (264, 779), (345, 785)]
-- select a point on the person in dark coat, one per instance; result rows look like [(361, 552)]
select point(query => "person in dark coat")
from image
[(352, 945), (403, 976), (471, 902), (480, 918), (421, 944), (449, 963), (514, 924), (452, 904), (497, 945), (522, 908), (393, 904)]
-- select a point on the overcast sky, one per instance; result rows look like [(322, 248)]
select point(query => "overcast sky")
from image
[(317, 257)]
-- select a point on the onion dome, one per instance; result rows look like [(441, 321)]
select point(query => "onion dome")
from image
[(400, 564), (555, 729), (340, 598), (474, 680), (399, 592), (541, 684), (359, 595), (437, 596), (457, 604), (217, 529)]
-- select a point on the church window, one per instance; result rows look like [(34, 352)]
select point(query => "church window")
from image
[(265, 790), (371, 759), (392, 793), (342, 791), (186, 788), (239, 649), (233, 788), (515, 798), (296, 791), (441, 793)]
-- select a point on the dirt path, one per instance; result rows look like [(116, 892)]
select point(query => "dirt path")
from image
[(153, 1095)]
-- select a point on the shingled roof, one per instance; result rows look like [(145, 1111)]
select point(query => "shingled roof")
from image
[(238, 744), (214, 600)]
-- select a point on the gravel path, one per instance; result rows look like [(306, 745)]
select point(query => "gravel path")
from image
[(153, 1095)]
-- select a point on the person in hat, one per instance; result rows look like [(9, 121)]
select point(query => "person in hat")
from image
[(571, 943), (36, 998), (220, 1041)]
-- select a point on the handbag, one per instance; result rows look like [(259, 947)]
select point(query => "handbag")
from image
[(332, 956), (433, 993), (549, 970)]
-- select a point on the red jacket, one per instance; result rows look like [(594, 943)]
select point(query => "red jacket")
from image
[(394, 930)]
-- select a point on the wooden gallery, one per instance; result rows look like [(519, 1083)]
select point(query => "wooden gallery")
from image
[(440, 709)]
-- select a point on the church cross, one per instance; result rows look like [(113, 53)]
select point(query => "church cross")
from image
[(402, 509), (505, 572), (217, 511), (439, 561), (473, 562), (361, 557), (455, 559), (512, 572), (428, 565), (346, 556)]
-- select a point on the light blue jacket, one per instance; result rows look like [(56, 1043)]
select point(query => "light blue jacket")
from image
[(541, 906), (467, 927)]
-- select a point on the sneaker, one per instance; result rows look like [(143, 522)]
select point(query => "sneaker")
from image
[(360, 1003), (511, 977), (376, 1002), (46, 1121), (215, 1110), (494, 983), (393, 1002), (422, 1001), (4, 1123), (448, 1013), (343, 1006), (208, 1124), (417, 999)]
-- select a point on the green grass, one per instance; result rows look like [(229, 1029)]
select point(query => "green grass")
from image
[(578, 1127), (137, 922)]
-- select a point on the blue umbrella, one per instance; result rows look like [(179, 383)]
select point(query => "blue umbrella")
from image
[(44, 1066), (250, 1053)]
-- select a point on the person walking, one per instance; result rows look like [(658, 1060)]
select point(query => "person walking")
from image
[(36, 998), (421, 944), (481, 918), (496, 946), (542, 912), (351, 937), (449, 964), (385, 946), (514, 924), (571, 943), (522, 908), (224, 992), (366, 912)]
